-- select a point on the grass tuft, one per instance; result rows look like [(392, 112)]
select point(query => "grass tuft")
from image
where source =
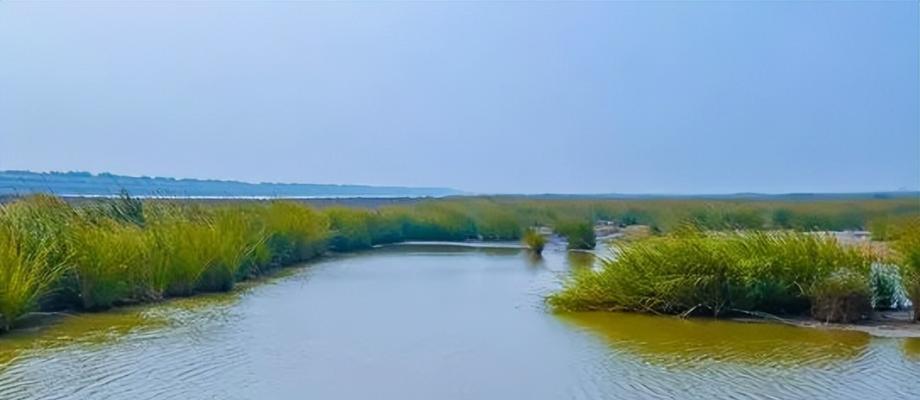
[(534, 240), (694, 272)]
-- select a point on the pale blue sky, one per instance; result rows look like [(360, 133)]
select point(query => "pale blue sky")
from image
[(630, 97)]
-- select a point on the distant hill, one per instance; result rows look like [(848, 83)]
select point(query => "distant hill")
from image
[(105, 184)]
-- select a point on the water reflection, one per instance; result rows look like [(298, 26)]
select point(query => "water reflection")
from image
[(448, 248), (580, 260), (53, 331), (912, 348), (88, 331), (691, 343), (534, 260), (434, 321)]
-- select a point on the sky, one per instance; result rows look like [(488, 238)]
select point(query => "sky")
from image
[(511, 97)]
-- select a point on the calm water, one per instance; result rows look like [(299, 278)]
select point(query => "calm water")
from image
[(436, 322)]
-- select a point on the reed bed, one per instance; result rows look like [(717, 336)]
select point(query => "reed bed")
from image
[(98, 254), (579, 235), (907, 255), (695, 272)]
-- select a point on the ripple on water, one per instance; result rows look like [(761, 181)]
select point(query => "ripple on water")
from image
[(748, 360), (436, 322)]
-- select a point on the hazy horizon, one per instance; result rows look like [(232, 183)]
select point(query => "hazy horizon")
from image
[(472, 193), (620, 97)]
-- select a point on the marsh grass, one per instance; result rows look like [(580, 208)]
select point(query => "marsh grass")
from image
[(578, 234), (693, 272), (98, 254), (534, 241), (887, 288), (107, 259), (907, 255), (25, 276), (349, 228), (295, 232)]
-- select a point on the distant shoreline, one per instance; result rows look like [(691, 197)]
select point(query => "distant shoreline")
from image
[(85, 184)]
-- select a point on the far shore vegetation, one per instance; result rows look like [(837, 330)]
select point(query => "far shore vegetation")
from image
[(739, 255)]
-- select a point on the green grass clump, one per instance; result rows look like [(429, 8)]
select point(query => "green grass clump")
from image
[(580, 235), (39, 226), (349, 228), (42, 224), (295, 232), (107, 260), (100, 253), (694, 272), (437, 221), (844, 296), (907, 254), (534, 241), (183, 251), (25, 276), (231, 236)]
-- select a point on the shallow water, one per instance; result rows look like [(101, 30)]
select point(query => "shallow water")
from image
[(436, 322)]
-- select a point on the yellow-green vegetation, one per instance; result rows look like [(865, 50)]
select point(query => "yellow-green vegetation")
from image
[(907, 255), (109, 264), (534, 240), (350, 230), (97, 254), (578, 234), (53, 255), (24, 277), (664, 215), (692, 271)]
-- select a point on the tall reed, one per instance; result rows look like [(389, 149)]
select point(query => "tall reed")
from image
[(907, 248), (25, 275), (579, 234), (694, 272), (97, 254), (107, 259), (534, 240)]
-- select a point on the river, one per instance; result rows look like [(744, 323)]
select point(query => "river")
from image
[(435, 322)]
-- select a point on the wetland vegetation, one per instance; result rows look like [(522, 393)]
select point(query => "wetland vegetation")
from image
[(94, 255)]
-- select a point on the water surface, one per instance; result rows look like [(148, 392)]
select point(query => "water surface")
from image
[(436, 322)]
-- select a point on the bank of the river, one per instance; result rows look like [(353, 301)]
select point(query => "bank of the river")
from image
[(56, 255), (883, 324)]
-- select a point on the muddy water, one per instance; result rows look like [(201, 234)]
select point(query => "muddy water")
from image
[(435, 322)]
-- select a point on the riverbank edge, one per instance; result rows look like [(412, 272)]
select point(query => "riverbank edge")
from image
[(888, 324), (34, 320)]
